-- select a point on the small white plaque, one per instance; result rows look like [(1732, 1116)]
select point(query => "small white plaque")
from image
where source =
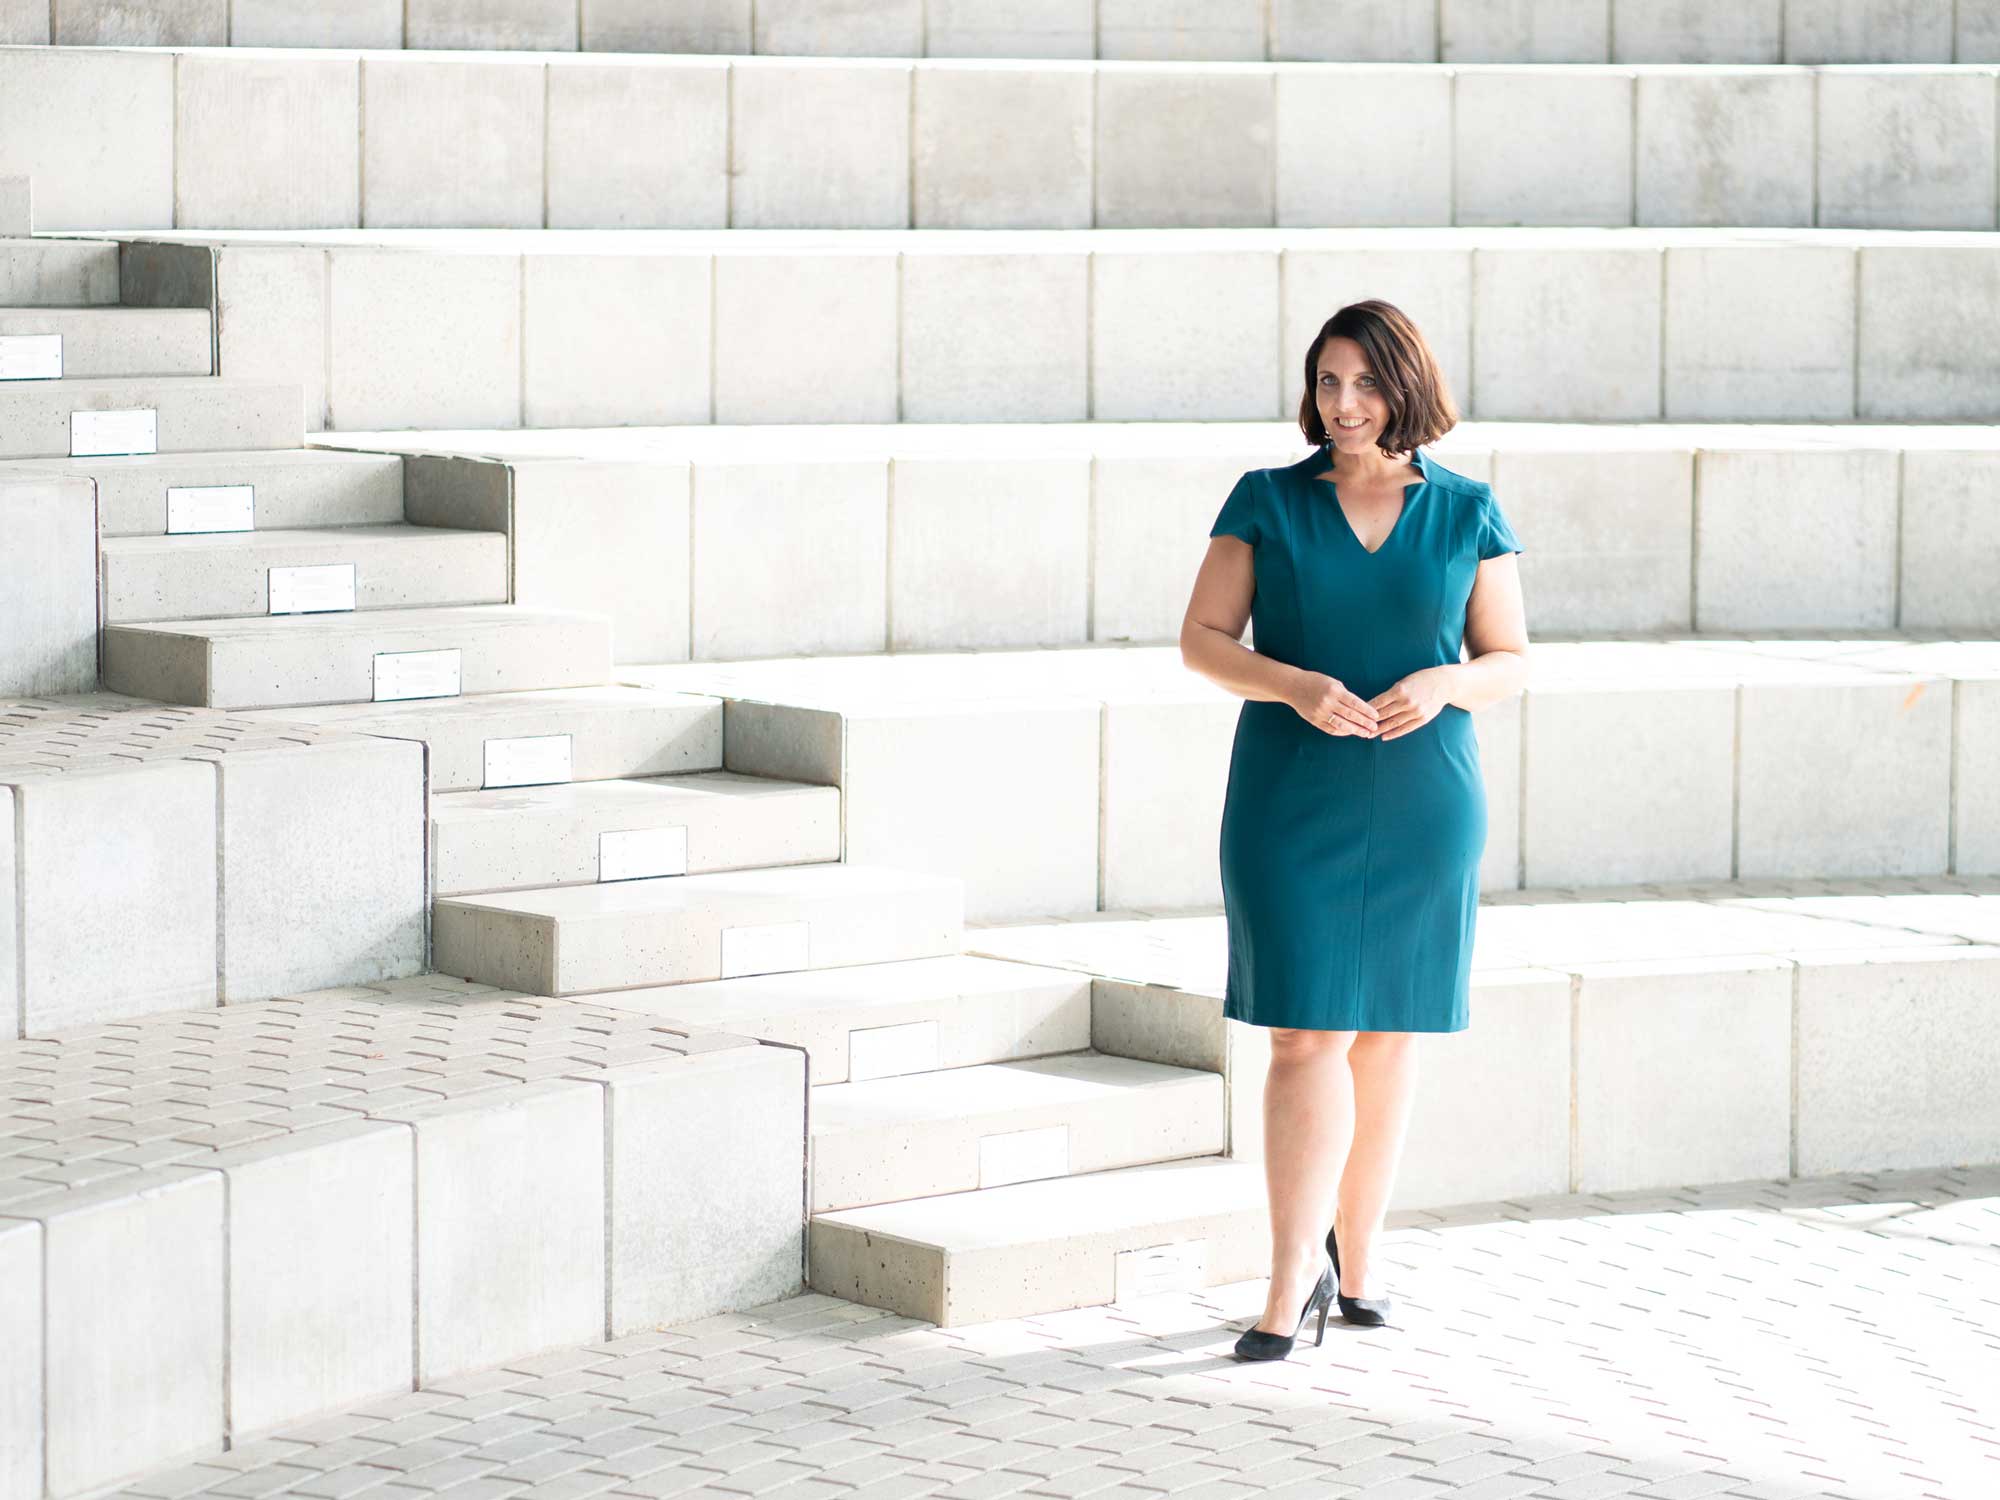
[(528, 760), (30, 356), (1023, 1155), (1160, 1268), (891, 1051), (417, 674), (97, 434), (316, 588), (642, 853), (770, 948), (210, 507)]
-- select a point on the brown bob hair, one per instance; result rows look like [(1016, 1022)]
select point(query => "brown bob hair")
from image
[(1406, 374)]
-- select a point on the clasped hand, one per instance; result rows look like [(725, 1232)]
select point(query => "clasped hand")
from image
[(1325, 703)]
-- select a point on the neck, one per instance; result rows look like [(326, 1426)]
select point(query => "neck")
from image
[(1369, 465)]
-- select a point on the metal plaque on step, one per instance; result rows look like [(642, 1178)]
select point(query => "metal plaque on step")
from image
[(1160, 1268), (891, 1051), (101, 434), (417, 674), (528, 760), (1023, 1155), (210, 507), (766, 948), (30, 356), (317, 588), (642, 853)]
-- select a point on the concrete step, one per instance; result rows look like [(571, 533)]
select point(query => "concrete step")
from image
[(1036, 1247), (58, 273), (290, 487), (108, 341), (221, 575), (883, 1020), (892, 1139), (579, 939), (606, 732), (281, 660), (518, 838), (190, 412)]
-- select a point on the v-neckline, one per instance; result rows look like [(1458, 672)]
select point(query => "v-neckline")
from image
[(1326, 466)]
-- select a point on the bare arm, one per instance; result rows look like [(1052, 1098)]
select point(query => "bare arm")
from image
[(1212, 632), (1496, 636)]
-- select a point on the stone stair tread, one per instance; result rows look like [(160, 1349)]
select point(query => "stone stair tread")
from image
[(992, 1088), (667, 895), (638, 793), (373, 534), (366, 622)]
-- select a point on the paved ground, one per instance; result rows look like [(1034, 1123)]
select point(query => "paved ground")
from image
[(1834, 1337)]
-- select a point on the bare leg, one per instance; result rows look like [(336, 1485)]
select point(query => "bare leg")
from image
[(1384, 1065), (1308, 1122)]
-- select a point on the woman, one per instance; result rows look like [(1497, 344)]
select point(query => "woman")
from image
[(1355, 815)]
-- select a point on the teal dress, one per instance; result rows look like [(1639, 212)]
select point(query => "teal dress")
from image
[(1350, 865)]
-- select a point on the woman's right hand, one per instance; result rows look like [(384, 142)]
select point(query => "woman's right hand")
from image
[(1326, 704)]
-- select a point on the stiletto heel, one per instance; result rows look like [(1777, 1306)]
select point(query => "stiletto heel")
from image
[(1254, 1343), (1364, 1312)]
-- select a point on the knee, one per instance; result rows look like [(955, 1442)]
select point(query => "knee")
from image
[(1383, 1047), (1301, 1044)]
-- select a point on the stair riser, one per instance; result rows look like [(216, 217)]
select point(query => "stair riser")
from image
[(286, 493), (58, 273), (193, 414), (124, 342)]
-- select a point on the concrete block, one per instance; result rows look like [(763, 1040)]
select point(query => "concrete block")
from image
[(1882, 807), (330, 23), (1566, 334), (491, 25), (1216, 359), (993, 338), (117, 893), (1034, 175), (119, 341), (193, 412), (134, 1370), (1906, 148), (819, 142), (1950, 542), (1765, 333), (1434, 286), (510, 1223), (1796, 539), (571, 940), (1921, 357), (305, 487), (1166, 766), (1978, 35), (847, 372), (883, 1020), (1524, 31), (17, 200), (1185, 147), (1698, 31), (267, 142), (321, 1247), (989, 553), (271, 319), (516, 838), (1896, 1057), (1657, 1102), (1497, 731), (707, 1171), (21, 1336), (1377, 31), (95, 131), (283, 660), (423, 340), (48, 587), (644, 26), (11, 1021), (452, 144), (1843, 31), (679, 106), (461, 493), (1976, 812), (59, 273), (1614, 536), (1010, 29), (765, 535), (1183, 30), (1386, 121), (1510, 124), (839, 28), (608, 537), (1725, 146), (154, 23), (1660, 810), (615, 340), (24, 21)]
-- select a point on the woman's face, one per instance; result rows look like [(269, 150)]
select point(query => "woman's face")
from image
[(1347, 392)]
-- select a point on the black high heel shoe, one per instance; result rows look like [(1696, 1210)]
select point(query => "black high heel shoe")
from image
[(1366, 1312), (1257, 1344)]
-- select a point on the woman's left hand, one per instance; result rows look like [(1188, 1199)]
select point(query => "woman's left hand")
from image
[(1413, 702)]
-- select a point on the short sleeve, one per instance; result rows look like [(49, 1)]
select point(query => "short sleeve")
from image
[(1238, 517), (1495, 535)]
